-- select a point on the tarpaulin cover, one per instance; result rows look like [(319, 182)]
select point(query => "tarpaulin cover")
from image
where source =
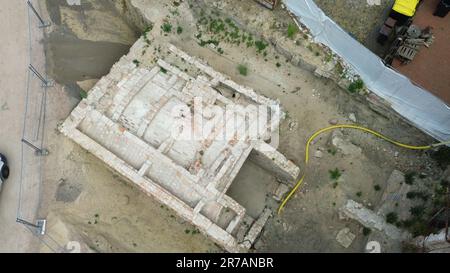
[(415, 104)]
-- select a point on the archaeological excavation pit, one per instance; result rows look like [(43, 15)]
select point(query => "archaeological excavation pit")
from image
[(145, 124)]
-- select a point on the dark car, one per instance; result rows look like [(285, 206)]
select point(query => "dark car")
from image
[(4, 170)]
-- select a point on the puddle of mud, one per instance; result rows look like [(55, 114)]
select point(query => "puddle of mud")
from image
[(72, 59), (251, 188)]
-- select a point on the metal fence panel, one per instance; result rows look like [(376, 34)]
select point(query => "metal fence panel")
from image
[(33, 137)]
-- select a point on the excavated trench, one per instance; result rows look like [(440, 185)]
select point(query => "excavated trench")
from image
[(87, 39)]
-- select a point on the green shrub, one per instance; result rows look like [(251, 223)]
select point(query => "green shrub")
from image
[(442, 156), (216, 26), (243, 70), (292, 31), (391, 217), (83, 94), (166, 27), (214, 42), (356, 86), (147, 30), (417, 195), (409, 177), (335, 174), (260, 45), (417, 211), (366, 231), (179, 30)]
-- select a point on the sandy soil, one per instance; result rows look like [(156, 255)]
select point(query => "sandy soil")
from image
[(363, 17), (85, 202), (13, 81), (363, 22)]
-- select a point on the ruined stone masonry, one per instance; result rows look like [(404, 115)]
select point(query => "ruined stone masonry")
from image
[(128, 122)]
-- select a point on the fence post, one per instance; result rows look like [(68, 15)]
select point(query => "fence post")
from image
[(39, 226), (39, 152), (43, 23), (45, 82)]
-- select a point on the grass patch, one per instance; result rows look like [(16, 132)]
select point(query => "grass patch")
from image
[(83, 94), (147, 30), (417, 195), (166, 27), (329, 57), (366, 231), (442, 156), (356, 86), (260, 46), (335, 174), (409, 177), (391, 217), (292, 30), (216, 26), (416, 226), (202, 43), (243, 70), (417, 211)]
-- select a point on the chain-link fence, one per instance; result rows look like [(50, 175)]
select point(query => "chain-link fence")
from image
[(33, 144)]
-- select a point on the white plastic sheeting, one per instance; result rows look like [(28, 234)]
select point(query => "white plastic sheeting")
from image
[(417, 105)]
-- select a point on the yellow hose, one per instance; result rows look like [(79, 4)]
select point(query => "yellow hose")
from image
[(300, 182)]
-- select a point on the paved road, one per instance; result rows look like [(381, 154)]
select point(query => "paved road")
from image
[(13, 71)]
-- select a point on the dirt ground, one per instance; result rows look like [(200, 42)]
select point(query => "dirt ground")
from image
[(13, 81), (364, 20), (86, 202)]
